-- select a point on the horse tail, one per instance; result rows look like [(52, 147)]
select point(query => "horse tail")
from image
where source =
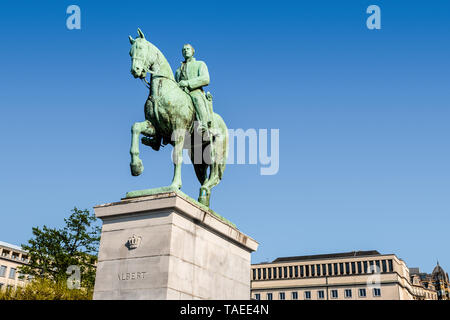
[(221, 148)]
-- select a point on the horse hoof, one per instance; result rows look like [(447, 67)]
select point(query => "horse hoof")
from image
[(204, 197), (136, 168), (204, 201)]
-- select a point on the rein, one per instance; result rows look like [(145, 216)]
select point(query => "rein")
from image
[(147, 83), (155, 75)]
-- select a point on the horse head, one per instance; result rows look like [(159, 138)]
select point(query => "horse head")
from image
[(142, 55)]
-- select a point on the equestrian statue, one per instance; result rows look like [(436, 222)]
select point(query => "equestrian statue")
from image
[(180, 113)]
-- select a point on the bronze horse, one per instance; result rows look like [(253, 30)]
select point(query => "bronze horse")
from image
[(170, 118)]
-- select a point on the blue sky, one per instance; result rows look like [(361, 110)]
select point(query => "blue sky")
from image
[(363, 117)]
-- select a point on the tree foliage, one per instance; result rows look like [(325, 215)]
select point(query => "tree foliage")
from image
[(52, 251), (46, 289)]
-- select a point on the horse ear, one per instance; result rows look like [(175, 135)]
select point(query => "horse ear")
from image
[(131, 39), (141, 34)]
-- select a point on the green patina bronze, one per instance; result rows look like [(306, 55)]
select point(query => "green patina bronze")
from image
[(178, 112)]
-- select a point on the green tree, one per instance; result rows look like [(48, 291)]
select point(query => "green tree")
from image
[(46, 289), (52, 251)]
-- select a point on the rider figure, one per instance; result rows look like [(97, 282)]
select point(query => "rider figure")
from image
[(192, 76)]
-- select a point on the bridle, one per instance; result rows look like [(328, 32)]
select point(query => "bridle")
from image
[(146, 67)]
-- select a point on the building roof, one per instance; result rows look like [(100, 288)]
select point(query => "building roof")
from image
[(11, 246), (329, 256), (439, 273), (414, 271)]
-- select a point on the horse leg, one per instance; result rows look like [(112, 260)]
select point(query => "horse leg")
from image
[(216, 168), (211, 182), (204, 195), (177, 159), (147, 128), (201, 169)]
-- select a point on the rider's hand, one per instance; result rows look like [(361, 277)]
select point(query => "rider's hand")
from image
[(183, 83)]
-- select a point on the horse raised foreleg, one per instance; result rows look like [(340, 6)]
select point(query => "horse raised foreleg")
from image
[(145, 127), (177, 157)]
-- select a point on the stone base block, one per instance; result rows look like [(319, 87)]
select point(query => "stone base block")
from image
[(167, 246)]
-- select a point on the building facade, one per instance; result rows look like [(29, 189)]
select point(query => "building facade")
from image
[(440, 282), (437, 281), (358, 275), (11, 258)]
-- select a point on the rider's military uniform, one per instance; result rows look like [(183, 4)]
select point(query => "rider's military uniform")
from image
[(197, 76)]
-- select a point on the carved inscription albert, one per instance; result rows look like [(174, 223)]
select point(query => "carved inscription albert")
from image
[(131, 275)]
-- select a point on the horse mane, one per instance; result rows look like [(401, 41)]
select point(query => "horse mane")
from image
[(164, 66)]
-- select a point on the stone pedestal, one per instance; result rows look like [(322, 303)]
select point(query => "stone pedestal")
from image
[(168, 246)]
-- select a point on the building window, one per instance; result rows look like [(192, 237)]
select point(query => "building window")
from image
[(347, 268), (329, 269), (383, 264), (290, 271), (259, 274), (390, 266), (371, 268), (318, 270), (335, 268), (359, 267), (348, 293), (365, 267), (362, 293), (285, 274), (313, 270), (296, 271), (294, 295), (307, 270), (320, 294), (12, 273), (254, 274), (257, 296), (280, 275), (324, 269), (269, 272), (307, 295), (2, 271), (282, 296), (334, 294), (264, 273), (377, 269), (301, 271), (376, 292), (275, 273), (341, 268), (269, 296), (353, 268)]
